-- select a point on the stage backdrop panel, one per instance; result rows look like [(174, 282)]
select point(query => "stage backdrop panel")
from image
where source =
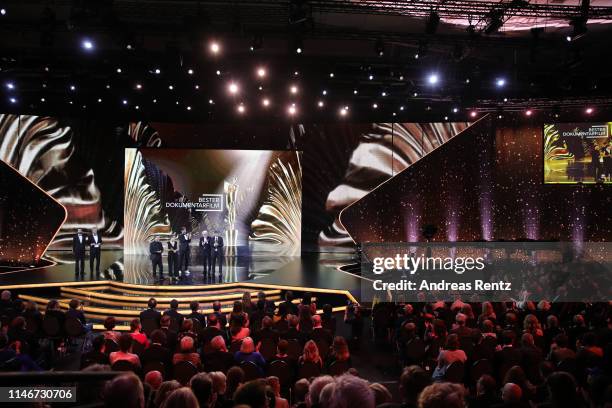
[(253, 198)]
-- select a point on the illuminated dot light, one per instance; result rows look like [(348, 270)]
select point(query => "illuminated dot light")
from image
[(215, 47)]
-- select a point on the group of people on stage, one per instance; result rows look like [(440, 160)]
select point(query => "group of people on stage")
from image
[(179, 255), (80, 243)]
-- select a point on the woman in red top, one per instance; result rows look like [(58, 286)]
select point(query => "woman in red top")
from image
[(137, 334)]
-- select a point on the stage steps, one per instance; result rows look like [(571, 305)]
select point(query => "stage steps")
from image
[(126, 301)]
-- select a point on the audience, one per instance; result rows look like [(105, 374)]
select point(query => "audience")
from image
[(530, 355)]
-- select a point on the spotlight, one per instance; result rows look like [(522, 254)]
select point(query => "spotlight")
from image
[(355, 92), (119, 70), (500, 82), (190, 71), (2, 12), (265, 102), (10, 85), (383, 93), (13, 100), (99, 100), (42, 99), (467, 80), (261, 72), (401, 108), (379, 48), (331, 74), (371, 77), (374, 106), (218, 72), (215, 47), (157, 71), (197, 87), (343, 111), (171, 87), (320, 104), (233, 88), (293, 89), (528, 112), (138, 86), (505, 99), (433, 79), (446, 118), (415, 94), (588, 111), (292, 110), (125, 102), (256, 42), (72, 88), (211, 102), (455, 110), (241, 109), (324, 92), (188, 108), (87, 45), (297, 45), (432, 23), (473, 114)]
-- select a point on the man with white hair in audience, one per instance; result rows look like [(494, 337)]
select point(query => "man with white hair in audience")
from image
[(347, 391), (316, 387), (187, 353)]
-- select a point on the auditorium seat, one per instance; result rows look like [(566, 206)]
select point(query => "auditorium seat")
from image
[(323, 349), (455, 372), (123, 365), (267, 348), (154, 366), (479, 368), (309, 370), (414, 351), (338, 368), (251, 372), (281, 369)]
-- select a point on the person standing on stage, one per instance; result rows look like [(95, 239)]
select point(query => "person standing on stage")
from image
[(184, 254), (205, 249), (155, 250), (173, 258), (79, 241), (217, 253), (95, 244)]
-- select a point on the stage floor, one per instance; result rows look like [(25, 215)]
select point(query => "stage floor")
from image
[(315, 270)]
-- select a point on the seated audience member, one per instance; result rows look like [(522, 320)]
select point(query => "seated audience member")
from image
[(154, 379), (317, 385), (559, 349), (531, 325), (195, 313), (442, 395), (181, 398), (156, 350), (96, 355), (381, 394), (448, 356), (266, 331), (238, 317), (552, 330), (7, 304), (187, 353), (202, 386), (137, 334), (12, 358), (252, 394), (151, 312), (54, 310), (348, 391), (460, 328), (319, 333), (289, 306), (516, 375), (33, 316), (300, 393), (125, 345), (311, 354), (171, 335), (412, 382), (174, 314), (109, 324), (339, 351), (512, 396), (73, 312), (247, 353), (124, 391), (561, 391), (247, 304), (212, 330), (219, 359), (187, 330), (292, 332), (327, 318), (532, 357), (237, 331), (234, 379), (219, 386), (220, 317), (18, 332), (269, 306), (274, 384), (282, 349), (486, 393), (508, 355), (165, 389)]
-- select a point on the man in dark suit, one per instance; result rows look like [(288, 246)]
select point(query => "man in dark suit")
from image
[(508, 356), (157, 351), (150, 314), (532, 357), (217, 253), (219, 316), (95, 244), (79, 241), (155, 250), (184, 252), (205, 249), (171, 335), (175, 315)]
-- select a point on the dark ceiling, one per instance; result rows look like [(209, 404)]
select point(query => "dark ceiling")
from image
[(368, 46)]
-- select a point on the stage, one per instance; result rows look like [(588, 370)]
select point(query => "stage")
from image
[(314, 270)]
